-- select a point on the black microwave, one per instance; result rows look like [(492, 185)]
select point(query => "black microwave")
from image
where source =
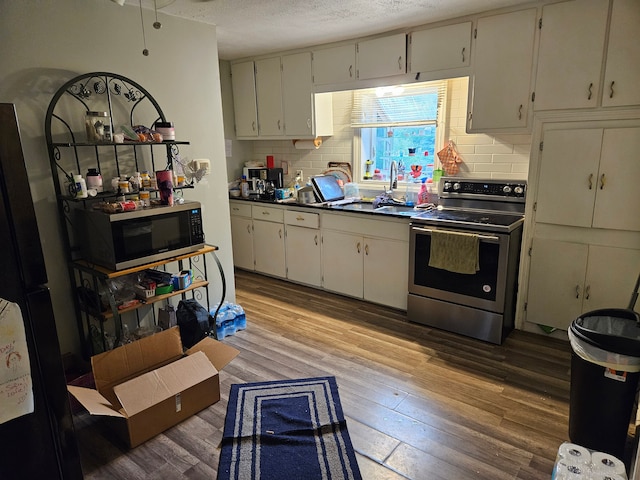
[(129, 239)]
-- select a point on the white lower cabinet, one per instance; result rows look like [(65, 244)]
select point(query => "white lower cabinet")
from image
[(242, 235), (567, 279), (268, 240), (359, 261), (303, 249)]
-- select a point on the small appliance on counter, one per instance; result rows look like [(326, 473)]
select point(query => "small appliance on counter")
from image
[(274, 175)]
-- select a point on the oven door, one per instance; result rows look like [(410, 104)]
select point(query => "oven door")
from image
[(485, 289)]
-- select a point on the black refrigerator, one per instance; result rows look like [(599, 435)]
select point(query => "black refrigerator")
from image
[(40, 444)]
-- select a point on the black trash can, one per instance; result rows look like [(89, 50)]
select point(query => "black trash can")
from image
[(605, 369)]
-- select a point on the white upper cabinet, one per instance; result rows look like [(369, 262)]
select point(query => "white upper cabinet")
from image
[(588, 178), (622, 74), (572, 39), (305, 114), (269, 97), (334, 65), (500, 91), (243, 84), (297, 94), (382, 57), (440, 48)]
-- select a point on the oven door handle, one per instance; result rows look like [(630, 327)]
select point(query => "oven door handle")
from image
[(486, 238)]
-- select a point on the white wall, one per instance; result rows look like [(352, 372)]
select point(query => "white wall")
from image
[(44, 43), (501, 156)]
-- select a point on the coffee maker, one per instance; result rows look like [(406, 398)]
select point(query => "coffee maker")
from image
[(273, 175)]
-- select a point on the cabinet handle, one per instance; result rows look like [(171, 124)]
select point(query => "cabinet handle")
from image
[(358, 247), (253, 126), (463, 51), (308, 123), (264, 212), (591, 181), (611, 89), (278, 124), (602, 181), (587, 292), (590, 93), (577, 291), (315, 240), (280, 233), (520, 112), (249, 229), (299, 218), (366, 249), (350, 71), (400, 62)]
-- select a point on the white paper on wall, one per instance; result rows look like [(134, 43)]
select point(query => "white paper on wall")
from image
[(16, 391)]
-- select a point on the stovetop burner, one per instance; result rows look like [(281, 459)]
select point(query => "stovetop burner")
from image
[(478, 204), (480, 220)]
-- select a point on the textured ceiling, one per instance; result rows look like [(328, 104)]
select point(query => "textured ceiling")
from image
[(255, 27)]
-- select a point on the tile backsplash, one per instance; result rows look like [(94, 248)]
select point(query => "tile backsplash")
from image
[(503, 156)]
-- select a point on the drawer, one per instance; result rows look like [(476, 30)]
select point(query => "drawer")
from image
[(302, 219), (269, 214), (240, 209)]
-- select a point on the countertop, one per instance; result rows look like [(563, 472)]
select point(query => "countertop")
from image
[(360, 207)]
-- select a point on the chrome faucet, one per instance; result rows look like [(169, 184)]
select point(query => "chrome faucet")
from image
[(393, 177)]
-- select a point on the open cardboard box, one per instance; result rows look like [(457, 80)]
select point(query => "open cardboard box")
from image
[(149, 385)]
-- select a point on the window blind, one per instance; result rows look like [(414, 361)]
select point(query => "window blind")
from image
[(398, 106)]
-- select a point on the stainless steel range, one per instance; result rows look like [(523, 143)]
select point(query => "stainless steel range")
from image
[(489, 215)]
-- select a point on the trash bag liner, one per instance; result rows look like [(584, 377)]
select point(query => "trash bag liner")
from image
[(609, 337)]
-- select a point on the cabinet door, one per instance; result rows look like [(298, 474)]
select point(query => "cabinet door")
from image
[(556, 282), (440, 48), (334, 65), (386, 272), (242, 239), (297, 94), (382, 57), (568, 177), (303, 255), (622, 73), (342, 263), (503, 62), (244, 99), (606, 263), (570, 55), (618, 196), (268, 247), (269, 97)]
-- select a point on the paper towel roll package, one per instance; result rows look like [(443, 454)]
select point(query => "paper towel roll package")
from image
[(575, 462)]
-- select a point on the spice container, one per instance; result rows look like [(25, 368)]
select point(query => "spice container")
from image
[(166, 130), (95, 123), (80, 186), (94, 180)]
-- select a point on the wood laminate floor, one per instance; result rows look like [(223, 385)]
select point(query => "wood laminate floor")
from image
[(420, 403)]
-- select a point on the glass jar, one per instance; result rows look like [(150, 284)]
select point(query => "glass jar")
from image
[(95, 123)]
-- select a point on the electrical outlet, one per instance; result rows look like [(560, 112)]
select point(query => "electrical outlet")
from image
[(299, 174)]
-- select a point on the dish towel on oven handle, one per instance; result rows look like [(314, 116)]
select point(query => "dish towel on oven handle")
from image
[(455, 251)]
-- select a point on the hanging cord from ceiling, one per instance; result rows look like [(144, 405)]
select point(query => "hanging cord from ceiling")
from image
[(157, 25), (145, 52)]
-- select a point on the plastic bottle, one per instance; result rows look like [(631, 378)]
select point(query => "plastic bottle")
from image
[(244, 187), (422, 195), (94, 180), (81, 186)]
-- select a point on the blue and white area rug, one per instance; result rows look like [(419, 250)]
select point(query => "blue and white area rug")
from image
[(289, 429)]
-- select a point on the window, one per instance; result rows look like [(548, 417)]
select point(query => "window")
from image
[(397, 124)]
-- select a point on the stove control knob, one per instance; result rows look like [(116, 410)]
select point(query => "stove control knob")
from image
[(456, 186), (506, 189), (447, 186), (518, 190)]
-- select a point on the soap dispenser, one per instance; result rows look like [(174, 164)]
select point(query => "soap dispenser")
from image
[(423, 194)]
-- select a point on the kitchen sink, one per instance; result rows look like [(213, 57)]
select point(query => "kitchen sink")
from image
[(383, 210), (397, 210)]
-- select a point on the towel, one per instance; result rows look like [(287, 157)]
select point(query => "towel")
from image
[(455, 252)]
